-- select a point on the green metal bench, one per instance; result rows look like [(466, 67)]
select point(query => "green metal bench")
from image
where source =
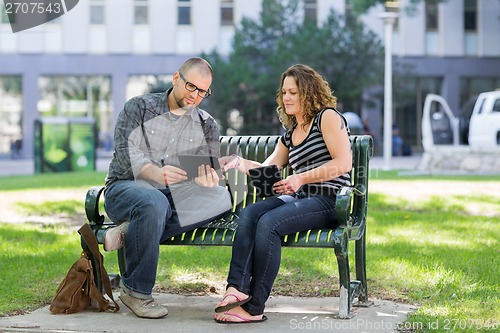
[(351, 207)]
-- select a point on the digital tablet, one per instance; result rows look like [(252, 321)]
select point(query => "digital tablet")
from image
[(263, 179), (191, 162)]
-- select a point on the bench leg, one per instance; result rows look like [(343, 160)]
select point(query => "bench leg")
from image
[(361, 272), (122, 263), (341, 252)]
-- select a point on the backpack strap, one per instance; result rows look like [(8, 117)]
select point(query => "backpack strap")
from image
[(89, 238)]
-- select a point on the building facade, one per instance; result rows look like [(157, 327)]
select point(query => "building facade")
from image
[(89, 61)]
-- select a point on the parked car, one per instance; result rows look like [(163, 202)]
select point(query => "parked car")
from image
[(478, 124), (484, 128)]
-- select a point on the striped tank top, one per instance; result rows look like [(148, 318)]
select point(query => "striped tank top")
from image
[(310, 154)]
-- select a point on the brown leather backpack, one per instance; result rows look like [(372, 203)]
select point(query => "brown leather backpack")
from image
[(78, 290)]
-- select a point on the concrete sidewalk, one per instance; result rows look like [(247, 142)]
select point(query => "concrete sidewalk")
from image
[(195, 314), (24, 166)]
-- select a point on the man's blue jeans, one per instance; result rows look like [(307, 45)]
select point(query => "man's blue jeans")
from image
[(153, 218), (256, 253)]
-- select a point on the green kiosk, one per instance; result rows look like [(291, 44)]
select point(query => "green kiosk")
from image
[(65, 144)]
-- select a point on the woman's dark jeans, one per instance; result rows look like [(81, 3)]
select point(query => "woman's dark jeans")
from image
[(256, 253)]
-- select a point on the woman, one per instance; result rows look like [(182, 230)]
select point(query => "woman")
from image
[(316, 145)]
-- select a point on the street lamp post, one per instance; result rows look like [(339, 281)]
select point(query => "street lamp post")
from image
[(389, 19)]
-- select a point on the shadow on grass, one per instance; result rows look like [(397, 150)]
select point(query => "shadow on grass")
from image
[(440, 254)]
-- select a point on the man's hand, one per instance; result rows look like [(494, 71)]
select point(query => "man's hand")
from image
[(207, 176), (172, 175)]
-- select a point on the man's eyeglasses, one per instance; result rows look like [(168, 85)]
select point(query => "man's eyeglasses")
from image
[(191, 87)]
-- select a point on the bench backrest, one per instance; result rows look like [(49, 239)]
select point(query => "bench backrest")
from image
[(259, 147)]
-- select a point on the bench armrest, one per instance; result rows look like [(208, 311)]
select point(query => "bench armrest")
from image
[(343, 206), (92, 205)]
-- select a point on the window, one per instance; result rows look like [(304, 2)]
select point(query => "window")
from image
[(431, 27), (141, 12), (431, 15), (184, 12), (74, 96), (310, 10), (142, 84), (96, 11), (350, 17), (470, 27), (11, 111), (470, 86), (226, 12), (78, 96), (496, 106), (409, 100), (470, 15)]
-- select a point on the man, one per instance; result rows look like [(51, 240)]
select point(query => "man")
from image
[(147, 187)]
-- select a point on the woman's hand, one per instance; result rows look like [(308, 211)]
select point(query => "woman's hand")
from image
[(289, 185), (230, 162)]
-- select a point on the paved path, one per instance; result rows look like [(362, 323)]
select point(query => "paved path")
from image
[(18, 167), (195, 314)]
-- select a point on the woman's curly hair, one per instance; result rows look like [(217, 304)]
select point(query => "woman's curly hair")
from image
[(314, 91)]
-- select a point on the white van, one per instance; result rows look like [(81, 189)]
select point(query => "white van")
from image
[(484, 127), (440, 126)]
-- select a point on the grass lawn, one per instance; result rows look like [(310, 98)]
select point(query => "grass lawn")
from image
[(438, 252)]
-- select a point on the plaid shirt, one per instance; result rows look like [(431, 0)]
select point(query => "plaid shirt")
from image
[(146, 132)]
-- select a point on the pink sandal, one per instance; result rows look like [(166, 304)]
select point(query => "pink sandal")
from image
[(242, 320), (230, 306)]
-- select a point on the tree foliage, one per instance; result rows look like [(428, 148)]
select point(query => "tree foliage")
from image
[(349, 56)]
